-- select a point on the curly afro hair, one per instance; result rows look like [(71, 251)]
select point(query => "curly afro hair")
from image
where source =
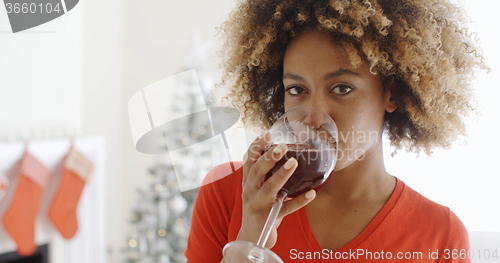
[(420, 48)]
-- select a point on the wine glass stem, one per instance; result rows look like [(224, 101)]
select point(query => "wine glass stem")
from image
[(271, 219)]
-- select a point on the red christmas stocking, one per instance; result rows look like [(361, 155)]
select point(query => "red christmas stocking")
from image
[(19, 220), (62, 212)]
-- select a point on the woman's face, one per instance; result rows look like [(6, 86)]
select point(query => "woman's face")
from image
[(318, 73)]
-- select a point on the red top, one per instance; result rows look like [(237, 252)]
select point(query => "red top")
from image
[(409, 228)]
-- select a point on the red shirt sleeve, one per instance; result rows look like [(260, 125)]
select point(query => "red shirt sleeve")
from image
[(457, 247), (211, 217)]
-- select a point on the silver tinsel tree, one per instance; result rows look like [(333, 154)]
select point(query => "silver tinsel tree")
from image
[(162, 214)]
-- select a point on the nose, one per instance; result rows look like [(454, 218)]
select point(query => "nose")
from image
[(315, 118), (317, 105), (318, 127)]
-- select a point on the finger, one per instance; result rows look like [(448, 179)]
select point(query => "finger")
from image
[(258, 171), (271, 187), (253, 153), (297, 203)]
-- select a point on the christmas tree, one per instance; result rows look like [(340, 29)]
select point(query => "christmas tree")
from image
[(160, 221)]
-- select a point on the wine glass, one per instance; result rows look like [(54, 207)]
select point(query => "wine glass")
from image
[(311, 138)]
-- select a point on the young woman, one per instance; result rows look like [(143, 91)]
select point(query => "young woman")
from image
[(397, 66)]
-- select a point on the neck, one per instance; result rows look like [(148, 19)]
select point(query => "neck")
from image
[(364, 180)]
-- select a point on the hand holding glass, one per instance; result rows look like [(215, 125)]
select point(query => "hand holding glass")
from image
[(311, 137)]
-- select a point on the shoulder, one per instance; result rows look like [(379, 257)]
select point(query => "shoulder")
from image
[(427, 216), (212, 212), (223, 178), (420, 203), (225, 170), (220, 186)]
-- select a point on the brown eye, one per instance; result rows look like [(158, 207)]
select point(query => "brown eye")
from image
[(342, 89), (294, 90)]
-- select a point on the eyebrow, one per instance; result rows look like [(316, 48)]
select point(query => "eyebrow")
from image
[(328, 76)]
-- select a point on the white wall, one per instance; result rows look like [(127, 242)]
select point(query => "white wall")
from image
[(41, 73), (104, 109)]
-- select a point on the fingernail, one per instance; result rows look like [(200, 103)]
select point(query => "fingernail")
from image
[(289, 163), (279, 148), (310, 194)]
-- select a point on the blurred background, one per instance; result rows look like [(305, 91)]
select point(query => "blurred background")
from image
[(72, 77)]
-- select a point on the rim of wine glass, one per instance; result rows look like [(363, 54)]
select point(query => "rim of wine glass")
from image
[(332, 130), (241, 242), (333, 133)]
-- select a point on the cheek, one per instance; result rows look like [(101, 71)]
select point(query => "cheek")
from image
[(367, 128), (358, 130), (369, 116), (288, 103)]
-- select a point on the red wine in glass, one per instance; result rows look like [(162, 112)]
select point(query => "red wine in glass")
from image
[(311, 172)]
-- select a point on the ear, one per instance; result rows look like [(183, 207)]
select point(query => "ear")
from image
[(390, 103)]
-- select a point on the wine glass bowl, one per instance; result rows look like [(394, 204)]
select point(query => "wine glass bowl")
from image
[(311, 138)]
